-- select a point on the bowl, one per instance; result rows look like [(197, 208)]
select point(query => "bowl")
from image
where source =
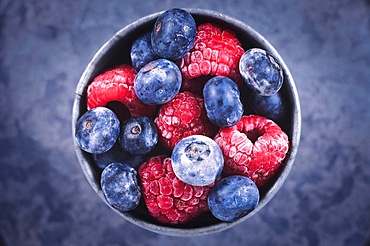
[(116, 51)]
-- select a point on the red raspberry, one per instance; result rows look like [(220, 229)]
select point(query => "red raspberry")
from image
[(254, 147), (181, 117), (117, 84), (195, 85), (167, 198), (216, 51)]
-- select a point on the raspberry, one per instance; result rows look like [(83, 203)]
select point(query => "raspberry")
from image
[(216, 51), (254, 147), (117, 84), (167, 198), (195, 85), (181, 117)]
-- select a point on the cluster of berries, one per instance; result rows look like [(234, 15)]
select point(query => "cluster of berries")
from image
[(186, 145)]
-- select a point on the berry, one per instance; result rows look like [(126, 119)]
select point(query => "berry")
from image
[(233, 197), (222, 101), (117, 154), (97, 130), (142, 52), (167, 198), (173, 34), (216, 51), (158, 82), (138, 135), (261, 72), (255, 147), (194, 85), (117, 84), (197, 160), (183, 116), (120, 186), (272, 107)]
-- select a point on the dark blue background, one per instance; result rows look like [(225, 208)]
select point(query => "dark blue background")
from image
[(44, 196)]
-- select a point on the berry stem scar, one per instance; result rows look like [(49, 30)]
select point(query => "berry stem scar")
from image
[(136, 130), (88, 124)]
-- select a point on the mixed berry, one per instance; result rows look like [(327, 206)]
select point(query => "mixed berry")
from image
[(261, 72), (233, 197), (181, 117), (141, 52), (272, 107), (197, 160), (222, 101), (120, 186), (216, 52), (97, 130), (173, 34), (158, 82), (254, 147), (167, 198), (183, 139), (139, 135)]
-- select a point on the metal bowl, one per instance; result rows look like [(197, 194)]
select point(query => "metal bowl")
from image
[(116, 51)]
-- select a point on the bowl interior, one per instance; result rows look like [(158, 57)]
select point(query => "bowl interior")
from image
[(116, 51)]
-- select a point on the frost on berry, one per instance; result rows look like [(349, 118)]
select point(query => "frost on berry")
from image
[(255, 147), (216, 52), (195, 85), (183, 116), (167, 198)]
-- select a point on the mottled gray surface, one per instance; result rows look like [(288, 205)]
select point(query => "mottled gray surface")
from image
[(46, 200)]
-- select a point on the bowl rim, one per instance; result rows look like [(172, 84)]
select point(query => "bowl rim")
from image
[(295, 134)]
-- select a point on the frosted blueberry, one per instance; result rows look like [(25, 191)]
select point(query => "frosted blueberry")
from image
[(139, 135), (261, 72), (222, 101), (272, 107), (173, 34), (233, 197), (142, 52), (158, 82), (97, 130), (117, 154), (197, 160), (120, 186)]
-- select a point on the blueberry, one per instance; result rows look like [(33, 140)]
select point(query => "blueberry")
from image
[(139, 135), (222, 101), (117, 154), (261, 72), (173, 34), (197, 160), (158, 82), (233, 197), (142, 52), (272, 107), (97, 130), (120, 186)]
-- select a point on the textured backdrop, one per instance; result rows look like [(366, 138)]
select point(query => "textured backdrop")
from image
[(45, 198)]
